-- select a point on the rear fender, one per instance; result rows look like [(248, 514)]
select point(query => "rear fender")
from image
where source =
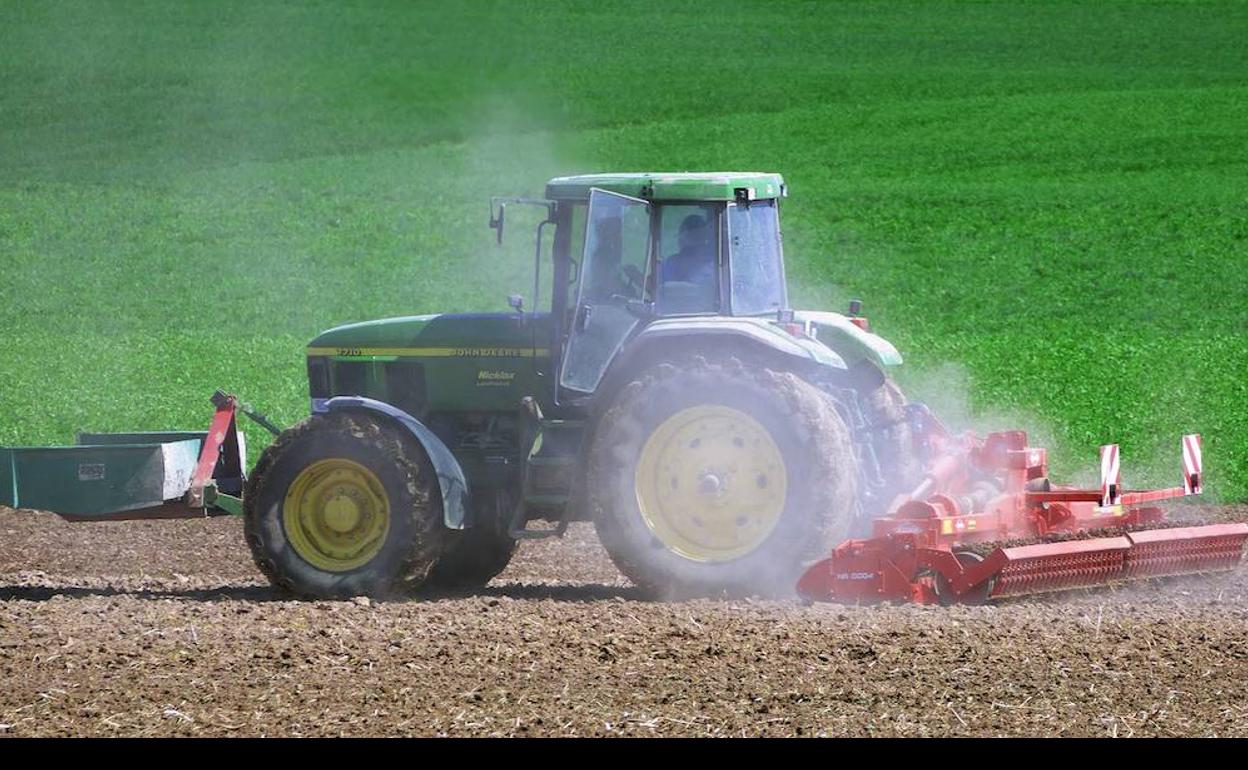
[(749, 339), (451, 480), (751, 331), (850, 342)]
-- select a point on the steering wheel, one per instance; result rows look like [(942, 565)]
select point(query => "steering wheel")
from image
[(635, 278)]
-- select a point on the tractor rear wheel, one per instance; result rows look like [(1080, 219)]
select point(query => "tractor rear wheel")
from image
[(343, 505), (709, 478)]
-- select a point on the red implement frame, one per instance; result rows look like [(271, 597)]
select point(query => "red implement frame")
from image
[(221, 444), (996, 489)]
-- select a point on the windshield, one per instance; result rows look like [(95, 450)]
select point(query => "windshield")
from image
[(756, 264)]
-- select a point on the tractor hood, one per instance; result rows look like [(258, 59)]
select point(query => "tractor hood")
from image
[(466, 335), (387, 332)]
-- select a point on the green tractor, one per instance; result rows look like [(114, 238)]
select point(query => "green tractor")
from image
[(717, 439)]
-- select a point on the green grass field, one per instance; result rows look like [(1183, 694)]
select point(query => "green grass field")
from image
[(1044, 205)]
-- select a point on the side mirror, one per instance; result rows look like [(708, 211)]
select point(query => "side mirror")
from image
[(496, 222), (515, 302)]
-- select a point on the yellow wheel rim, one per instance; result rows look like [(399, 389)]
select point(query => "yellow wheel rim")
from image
[(711, 483), (336, 515)]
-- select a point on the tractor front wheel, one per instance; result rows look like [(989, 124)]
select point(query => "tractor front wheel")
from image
[(709, 478), (344, 505)]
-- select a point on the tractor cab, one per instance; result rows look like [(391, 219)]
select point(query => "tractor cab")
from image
[(644, 247)]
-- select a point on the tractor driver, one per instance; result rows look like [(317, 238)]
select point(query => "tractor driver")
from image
[(611, 278), (694, 262)]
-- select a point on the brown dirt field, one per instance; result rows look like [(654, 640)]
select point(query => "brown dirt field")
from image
[(165, 628)]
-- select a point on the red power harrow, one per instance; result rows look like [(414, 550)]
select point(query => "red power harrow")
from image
[(936, 543)]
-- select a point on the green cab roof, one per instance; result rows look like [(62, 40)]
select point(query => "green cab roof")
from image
[(710, 185)]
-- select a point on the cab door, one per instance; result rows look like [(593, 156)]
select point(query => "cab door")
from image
[(613, 271)]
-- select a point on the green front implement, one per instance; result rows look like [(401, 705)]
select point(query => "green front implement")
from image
[(110, 476)]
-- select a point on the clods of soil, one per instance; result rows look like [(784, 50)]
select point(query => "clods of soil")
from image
[(165, 628)]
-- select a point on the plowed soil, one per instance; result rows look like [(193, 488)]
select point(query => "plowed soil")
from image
[(165, 628)]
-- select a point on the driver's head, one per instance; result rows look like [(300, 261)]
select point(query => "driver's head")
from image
[(692, 232)]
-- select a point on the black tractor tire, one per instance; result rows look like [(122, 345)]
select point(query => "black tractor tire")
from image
[(474, 556), (893, 436), (813, 442), (415, 539)]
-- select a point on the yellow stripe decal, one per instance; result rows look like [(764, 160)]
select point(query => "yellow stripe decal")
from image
[(465, 352)]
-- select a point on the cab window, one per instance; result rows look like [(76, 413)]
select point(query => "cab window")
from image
[(576, 249), (688, 251)]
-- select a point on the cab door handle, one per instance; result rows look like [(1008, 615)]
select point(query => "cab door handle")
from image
[(582, 318)]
